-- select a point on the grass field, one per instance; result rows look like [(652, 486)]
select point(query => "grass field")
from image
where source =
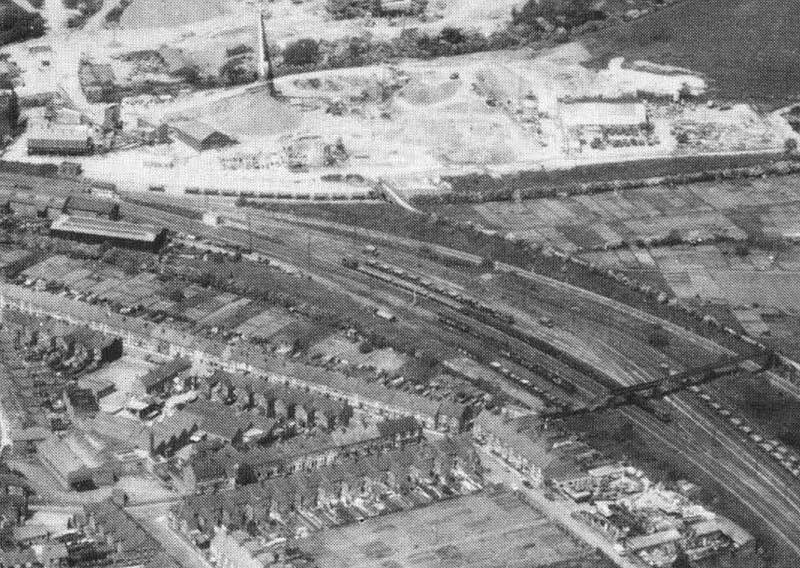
[(493, 529), (746, 48)]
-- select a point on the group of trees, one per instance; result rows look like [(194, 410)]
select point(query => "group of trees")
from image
[(310, 54), (114, 15), (18, 25), (566, 14), (347, 9)]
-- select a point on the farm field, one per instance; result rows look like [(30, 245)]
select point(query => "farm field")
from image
[(743, 47), (461, 532), (761, 209)]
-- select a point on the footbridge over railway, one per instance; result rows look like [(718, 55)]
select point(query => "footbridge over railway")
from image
[(640, 393)]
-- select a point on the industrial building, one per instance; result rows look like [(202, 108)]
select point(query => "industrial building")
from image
[(98, 82), (603, 113), (29, 204), (161, 379), (200, 136), (75, 463), (62, 140), (118, 233), (88, 206)]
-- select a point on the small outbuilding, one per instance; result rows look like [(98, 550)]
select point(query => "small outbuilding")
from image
[(200, 136)]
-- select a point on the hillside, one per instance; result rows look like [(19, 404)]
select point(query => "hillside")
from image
[(748, 49)]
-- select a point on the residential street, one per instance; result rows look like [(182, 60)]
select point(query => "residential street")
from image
[(560, 511), (153, 518)]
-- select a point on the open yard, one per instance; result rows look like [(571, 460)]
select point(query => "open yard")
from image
[(491, 530)]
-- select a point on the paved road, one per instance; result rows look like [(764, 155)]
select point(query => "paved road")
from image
[(559, 511)]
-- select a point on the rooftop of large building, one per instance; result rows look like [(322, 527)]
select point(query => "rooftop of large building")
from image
[(604, 113), (105, 228)]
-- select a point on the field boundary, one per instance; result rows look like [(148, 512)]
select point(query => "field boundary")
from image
[(601, 178)]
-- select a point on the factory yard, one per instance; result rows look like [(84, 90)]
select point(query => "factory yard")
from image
[(410, 122), (492, 530)]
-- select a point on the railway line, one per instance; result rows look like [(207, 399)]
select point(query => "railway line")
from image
[(763, 490), (755, 485)]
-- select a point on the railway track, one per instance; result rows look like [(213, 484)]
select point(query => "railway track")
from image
[(761, 490)]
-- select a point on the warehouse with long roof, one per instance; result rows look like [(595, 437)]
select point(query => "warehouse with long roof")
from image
[(95, 230), (62, 140)]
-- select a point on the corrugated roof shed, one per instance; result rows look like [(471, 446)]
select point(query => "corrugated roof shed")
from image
[(88, 204), (105, 228)]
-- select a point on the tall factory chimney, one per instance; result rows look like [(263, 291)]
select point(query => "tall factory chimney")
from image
[(264, 62)]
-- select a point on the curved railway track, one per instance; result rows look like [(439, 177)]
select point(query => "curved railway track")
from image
[(769, 496)]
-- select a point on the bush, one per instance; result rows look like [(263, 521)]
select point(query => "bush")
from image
[(567, 13), (452, 36), (114, 14), (345, 9), (302, 52)]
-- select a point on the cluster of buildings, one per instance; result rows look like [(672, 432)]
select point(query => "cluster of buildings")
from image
[(534, 447), (49, 355), (643, 519), (654, 524), (98, 535), (216, 465), (98, 81), (79, 216), (605, 123), (18, 198), (249, 525), (160, 72)]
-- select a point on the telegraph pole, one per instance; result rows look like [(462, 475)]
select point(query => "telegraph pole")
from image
[(250, 229), (308, 254)]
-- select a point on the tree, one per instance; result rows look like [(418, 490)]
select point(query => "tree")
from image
[(301, 52), (790, 146), (452, 36), (245, 475)]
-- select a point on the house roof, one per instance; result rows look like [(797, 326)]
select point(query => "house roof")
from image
[(13, 558), (404, 425), (195, 129), (125, 532), (165, 372), (651, 540), (606, 113), (77, 133), (105, 228), (547, 449), (117, 427), (91, 204), (179, 423), (30, 532)]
